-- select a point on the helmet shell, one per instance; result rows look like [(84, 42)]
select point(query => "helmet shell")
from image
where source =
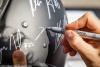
[(25, 30)]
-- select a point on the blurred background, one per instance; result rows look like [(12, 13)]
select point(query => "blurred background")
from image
[(74, 10)]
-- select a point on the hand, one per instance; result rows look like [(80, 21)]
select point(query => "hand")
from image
[(19, 59), (88, 49)]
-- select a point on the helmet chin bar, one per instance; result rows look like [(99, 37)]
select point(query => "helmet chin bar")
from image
[(23, 27)]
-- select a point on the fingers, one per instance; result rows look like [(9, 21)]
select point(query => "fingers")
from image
[(87, 20), (66, 45), (19, 59), (73, 52), (76, 42), (64, 42), (67, 48)]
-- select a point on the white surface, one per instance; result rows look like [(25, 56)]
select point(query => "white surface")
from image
[(73, 15), (75, 61)]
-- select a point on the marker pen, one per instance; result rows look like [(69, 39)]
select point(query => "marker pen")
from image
[(83, 34)]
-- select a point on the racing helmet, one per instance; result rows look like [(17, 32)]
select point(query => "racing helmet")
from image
[(23, 26)]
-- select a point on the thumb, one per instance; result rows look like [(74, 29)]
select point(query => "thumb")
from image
[(19, 59), (75, 41)]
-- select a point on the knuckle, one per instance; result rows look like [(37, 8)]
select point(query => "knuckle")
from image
[(88, 14)]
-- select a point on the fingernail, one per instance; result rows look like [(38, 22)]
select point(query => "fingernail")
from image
[(19, 58), (18, 55), (69, 36)]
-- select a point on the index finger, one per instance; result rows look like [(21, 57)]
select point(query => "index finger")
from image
[(87, 20)]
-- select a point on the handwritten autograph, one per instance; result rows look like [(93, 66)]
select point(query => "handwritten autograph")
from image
[(34, 6), (18, 39), (53, 4)]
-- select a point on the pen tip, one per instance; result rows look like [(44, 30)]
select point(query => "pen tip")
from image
[(48, 28)]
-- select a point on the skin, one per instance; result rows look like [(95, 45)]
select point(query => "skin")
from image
[(19, 59), (89, 50)]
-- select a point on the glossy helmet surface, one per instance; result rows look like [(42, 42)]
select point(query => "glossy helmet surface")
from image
[(23, 27)]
